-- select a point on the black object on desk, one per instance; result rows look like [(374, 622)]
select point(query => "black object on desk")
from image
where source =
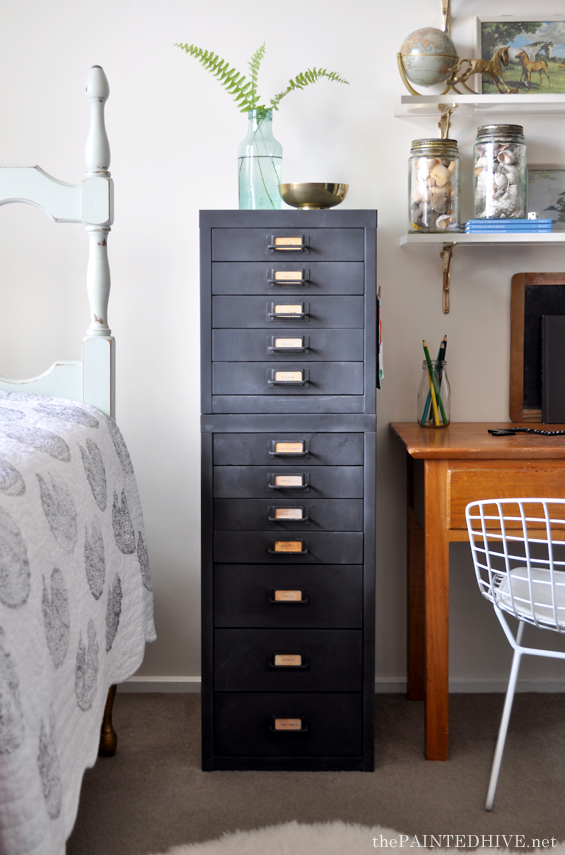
[(553, 369)]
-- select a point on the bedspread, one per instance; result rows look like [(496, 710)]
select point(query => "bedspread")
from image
[(76, 606)]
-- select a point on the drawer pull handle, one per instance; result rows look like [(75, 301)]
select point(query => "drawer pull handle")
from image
[(292, 316), (288, 547), (272, 349), (288, 662), (288, 244), (289, 725), (305, 383), (296, 598), (289, 453), (288, 482), (288, 277), (304, 519)]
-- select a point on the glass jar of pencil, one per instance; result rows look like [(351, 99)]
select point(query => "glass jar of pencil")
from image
[(434, 395), (434, 186)]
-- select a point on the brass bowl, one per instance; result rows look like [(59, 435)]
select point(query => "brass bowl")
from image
[(314, 195)]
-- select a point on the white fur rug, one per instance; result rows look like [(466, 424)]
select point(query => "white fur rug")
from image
[(340, 838)]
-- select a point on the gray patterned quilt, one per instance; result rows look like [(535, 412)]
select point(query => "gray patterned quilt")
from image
[(76, 607)]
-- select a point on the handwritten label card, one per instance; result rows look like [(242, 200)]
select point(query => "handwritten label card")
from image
[(288, 724), (288, 596), (288, 242), (288, 342), (288, 275), (288, 546), (288, 310), (288, 481), (288, 376), (286, 659), (288, 514)]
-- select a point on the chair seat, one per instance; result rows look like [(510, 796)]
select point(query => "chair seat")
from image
[(513, 595)]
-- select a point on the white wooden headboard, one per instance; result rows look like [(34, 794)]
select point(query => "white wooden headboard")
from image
[(92, 203)]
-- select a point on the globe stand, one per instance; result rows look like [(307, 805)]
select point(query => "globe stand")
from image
[(411, 88)]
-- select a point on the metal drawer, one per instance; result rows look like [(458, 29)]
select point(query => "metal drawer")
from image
[(292, 547), (293, 345), (255, 482), (281, 312), (324, 724), (295, 277), (287, 660), (279, 516), (287, 378), (287, 449), (269, 243), (263, 595)]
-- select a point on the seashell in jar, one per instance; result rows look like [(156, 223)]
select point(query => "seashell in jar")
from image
[(439, 204), (500, 182), (507, 203), (480, 162), (452, 167), (507, 156), (416, 196), (445, 221), (441, 191), (441, 175), (511, 173)]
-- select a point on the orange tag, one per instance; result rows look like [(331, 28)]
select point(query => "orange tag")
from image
[(285, 659), (288, 481), (288, 310), (288, 546), (288, 596), (287, 376), (288, 242), (288, 724), (287, 275), (288, 513), (288, 342)]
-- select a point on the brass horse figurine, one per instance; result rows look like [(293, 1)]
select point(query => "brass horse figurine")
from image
[(528, 66), (492, 67)]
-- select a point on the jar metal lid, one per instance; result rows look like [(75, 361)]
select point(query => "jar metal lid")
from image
[(498, 131), (435, 146)]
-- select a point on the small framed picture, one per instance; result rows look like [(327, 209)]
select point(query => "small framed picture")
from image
[(536, 52), (546, 192)]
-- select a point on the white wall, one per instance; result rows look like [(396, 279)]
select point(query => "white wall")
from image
[(174, 134)]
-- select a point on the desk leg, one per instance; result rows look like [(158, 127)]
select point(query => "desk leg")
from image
[(436, 552), (416, 602)]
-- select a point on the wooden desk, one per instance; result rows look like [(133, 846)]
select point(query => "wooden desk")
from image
[(449, 468)]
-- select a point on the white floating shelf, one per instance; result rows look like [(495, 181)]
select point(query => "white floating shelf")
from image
[(490, 239), (421, 106)]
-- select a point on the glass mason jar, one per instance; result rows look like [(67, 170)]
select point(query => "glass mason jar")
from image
[(434, 396), (500, 180), (260, 164), (434, 186)]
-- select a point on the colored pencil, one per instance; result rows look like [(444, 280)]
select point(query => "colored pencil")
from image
[(440, 358), (436, 397)]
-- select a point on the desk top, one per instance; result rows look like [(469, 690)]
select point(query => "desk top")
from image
[(472, 440)]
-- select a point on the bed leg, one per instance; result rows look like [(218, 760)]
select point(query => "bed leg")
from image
[(108, 736)]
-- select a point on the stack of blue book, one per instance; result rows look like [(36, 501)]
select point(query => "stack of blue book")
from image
[(474, 227)]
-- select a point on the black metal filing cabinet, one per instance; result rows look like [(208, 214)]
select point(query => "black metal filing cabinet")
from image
[(289, 362)]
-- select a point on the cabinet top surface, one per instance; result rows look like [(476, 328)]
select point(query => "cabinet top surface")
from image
[(472, 440), (289, 218)]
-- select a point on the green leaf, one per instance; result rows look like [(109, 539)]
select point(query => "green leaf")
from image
[(312, 75), (230, 79), (254, 66)]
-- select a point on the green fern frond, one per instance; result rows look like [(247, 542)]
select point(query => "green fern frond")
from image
[(254, 66), (243, 93), (304, 79)]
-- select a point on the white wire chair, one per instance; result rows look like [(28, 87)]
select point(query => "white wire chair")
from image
[(518, 548)]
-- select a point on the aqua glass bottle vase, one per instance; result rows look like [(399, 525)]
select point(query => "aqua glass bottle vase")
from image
[(259, 164)]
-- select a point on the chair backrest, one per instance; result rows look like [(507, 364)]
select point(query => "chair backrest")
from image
[(518, 549), (90, 203)]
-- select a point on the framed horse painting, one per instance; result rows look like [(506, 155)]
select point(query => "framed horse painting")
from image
[(536, 52)]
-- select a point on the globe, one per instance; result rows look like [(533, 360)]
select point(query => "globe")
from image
[(427, 56)]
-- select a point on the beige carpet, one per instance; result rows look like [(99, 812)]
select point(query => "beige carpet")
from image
[(339, 838), (153, 794)]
